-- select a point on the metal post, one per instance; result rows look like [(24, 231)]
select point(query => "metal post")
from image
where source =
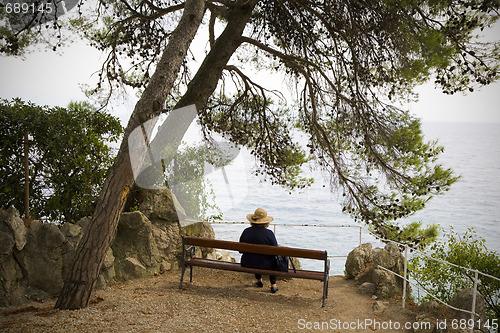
[(473, 310), (26, 177), (404, 274)]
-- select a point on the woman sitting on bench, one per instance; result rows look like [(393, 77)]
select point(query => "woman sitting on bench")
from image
[(258, 233)]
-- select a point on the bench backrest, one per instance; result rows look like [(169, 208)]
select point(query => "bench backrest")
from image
[(255, 248)]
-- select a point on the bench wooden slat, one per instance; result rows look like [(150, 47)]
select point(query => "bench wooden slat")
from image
[(231, 266), (253, 248), (256, 248)]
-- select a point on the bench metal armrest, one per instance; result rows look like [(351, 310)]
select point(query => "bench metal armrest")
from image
[(187, 250), (190, 250)]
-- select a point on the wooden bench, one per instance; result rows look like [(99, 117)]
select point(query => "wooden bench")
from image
[(188, 248)]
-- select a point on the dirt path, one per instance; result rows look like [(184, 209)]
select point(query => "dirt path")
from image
[(216, 301)]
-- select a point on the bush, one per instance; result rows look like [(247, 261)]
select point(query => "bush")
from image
[(444, 281), (68, 157)]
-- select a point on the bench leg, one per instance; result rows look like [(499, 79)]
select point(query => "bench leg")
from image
[(325, 291), (324, 294), (182, 276), (190, 273), (183, 260), (327, 280)]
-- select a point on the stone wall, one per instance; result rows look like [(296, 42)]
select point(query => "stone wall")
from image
[(34, 259)]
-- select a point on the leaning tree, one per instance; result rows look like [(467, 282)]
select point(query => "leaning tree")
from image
[(97, 238), (351, 62)]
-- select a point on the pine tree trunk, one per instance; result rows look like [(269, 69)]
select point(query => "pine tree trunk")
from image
[(101, 231), (98, 236), (205, 81)]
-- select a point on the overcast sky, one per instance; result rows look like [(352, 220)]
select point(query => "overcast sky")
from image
[(47, 78)]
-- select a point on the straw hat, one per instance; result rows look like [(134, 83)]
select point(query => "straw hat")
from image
[(259, 217)]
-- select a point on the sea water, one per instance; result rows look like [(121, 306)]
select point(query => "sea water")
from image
[(472, 150)]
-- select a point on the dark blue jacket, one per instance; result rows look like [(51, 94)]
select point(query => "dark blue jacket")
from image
[(258, 235)]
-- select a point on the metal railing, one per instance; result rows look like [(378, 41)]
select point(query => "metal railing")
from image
[(476, 272), (472, 312)]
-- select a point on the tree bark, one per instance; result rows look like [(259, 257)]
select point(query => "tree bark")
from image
[(98, 236), (205, 81), (203, 84), (101, 231)]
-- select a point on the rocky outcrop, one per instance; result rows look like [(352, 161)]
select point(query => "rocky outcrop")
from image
[(363, 263), (11, 274), (12, 220), (134, 247), (107, 275), (357, 260), (161, 205), (34, 260), (367, 288), (162, 209), (463, 300), (43, 257)]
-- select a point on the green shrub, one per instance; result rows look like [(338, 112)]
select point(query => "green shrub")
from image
[(444, 281), (69, 155)]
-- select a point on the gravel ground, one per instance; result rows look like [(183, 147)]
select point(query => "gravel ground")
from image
[(216, 301)]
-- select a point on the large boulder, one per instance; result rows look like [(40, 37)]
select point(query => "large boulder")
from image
[(107, 273), (168, 242), (358, 260), (164, 211), (12, 284), (134, 247), (11, 218), (364, 262), (161, 205), (7, 240), (73, 232), (42, 257), (386, 283), (389, 257), (31, 260), (463, 300), (35, 260)]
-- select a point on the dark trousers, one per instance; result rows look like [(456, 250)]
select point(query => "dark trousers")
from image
[(272, 278)]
